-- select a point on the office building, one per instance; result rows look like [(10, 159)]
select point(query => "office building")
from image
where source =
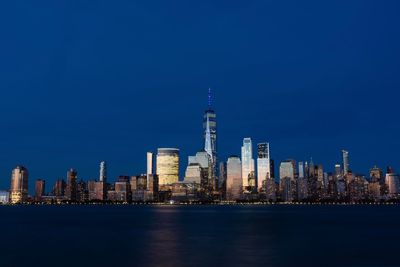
[(210, 139), (71, 189), (19, 185), (287, 172), (392, 183), (234, 181), (346, 162), (168, 166), (103, 172), (247, 161), (39, 189), (4, 197), (263, 164)]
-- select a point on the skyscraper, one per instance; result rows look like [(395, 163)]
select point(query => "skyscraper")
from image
[(346, 162), (198, 169), (59, 188), (39, 189), (392, 182), (168, 166), (150, 163), (103, 172), (71, 190), (287, 172), (234, 181), (263, 164), (210, 138), (247, 161), (302, 190), (152, 178), (19, 185)]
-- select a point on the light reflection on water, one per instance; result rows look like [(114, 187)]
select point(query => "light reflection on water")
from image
[(200, 236)]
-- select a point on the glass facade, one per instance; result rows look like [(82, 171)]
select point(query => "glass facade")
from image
[(19, 185), (168, 165), (263, 164), (234, 182), (346, 163), (247, 161)]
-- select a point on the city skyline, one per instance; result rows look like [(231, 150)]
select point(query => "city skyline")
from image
[(251, 158), (310, 78), (207, 179)]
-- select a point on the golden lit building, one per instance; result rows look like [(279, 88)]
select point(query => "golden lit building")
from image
[(168, 165), (19, 185)]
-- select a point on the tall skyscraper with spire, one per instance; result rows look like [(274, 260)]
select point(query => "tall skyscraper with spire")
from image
[(210, 139)]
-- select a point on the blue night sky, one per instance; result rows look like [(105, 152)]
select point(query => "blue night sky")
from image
[(85, 81)]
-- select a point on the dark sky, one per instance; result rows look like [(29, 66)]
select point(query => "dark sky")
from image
[(85, 81)]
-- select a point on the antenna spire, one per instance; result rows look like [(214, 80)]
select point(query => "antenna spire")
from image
[(209, 97)]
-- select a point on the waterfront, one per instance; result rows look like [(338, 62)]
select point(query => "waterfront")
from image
[(200, 235)]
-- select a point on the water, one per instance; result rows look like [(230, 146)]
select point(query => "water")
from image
[(200, 236)]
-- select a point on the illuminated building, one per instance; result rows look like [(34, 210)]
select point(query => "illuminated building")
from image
[(198, 171), (4, 197), (39, 189), (152, 187), (71, 190), (263, 164), (210, 140), (376, 174), (123, 191), (168, 165), (287, 171), (193, 173), (346, 162), (103, 172), (234, 181), (392, 183), (97, 191), (247, 161), (302, 190), (82, 194), (59, 188), (19, 185)]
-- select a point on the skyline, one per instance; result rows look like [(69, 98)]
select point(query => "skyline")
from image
[(87, 82), (166, 164)]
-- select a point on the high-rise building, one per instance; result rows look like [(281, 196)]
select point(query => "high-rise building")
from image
[(193, 173), (103, 172), (82, 193), (346, 162), (263, 164), (302, 189), (392, 182), (199, 171), (168, 166), (4, 197), (19, 185), (210, 139), (152, 178), (59, 188), (71, 189), (287, 172), (222, 179), (96, 191), (247, 161), (376, 174), (150, 163), (234, 181), (39, 189)]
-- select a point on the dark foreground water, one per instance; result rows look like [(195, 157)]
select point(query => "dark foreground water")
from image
[(200, 236)]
